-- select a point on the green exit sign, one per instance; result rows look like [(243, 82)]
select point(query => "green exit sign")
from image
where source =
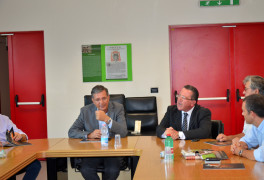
[(219, 3)]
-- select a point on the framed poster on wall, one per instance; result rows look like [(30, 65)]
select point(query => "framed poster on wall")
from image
[(107, 62)]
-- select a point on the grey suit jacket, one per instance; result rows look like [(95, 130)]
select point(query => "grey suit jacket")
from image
[(199, 126), (86, 123)]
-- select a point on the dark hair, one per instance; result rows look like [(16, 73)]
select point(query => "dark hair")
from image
[(256, 82), (99, 88), (195, 94), (255, 103)]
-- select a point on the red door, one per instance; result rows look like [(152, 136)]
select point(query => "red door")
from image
[(200, 57), (27, 83), (213, 59)]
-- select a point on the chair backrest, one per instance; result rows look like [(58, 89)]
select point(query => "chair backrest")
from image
[(217, 128), (120, 98), (144, 109)]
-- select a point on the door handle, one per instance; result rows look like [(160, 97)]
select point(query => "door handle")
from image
[(29, 103), (217, 98), (238, 97), (227, 95), (175, 96)]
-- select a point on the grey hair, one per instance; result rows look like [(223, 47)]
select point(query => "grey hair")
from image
[(257, 82), (99, 88)]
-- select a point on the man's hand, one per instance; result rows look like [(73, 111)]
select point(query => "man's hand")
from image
[(95, 134), (174, 134), (17, 136), (243, 145), (101, 116), (221, 137), (236, 147), (235, 140)]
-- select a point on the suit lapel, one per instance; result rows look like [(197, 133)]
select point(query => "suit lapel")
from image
[(110, 110), (177, 122), (93, 117), (192, 119)]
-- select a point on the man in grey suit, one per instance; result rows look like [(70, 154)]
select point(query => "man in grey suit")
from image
[(186, 120), (88, 125)]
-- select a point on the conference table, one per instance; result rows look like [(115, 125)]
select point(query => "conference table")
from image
[(144, 149)]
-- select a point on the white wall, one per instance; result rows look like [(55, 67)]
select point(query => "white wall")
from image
[(68, 24)]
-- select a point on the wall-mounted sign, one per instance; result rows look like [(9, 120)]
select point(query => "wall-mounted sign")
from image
[(107, 62), (219, 3)]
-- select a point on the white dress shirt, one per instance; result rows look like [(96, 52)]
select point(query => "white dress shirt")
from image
[(181, 134)]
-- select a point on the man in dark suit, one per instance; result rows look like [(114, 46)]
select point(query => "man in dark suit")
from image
[(92, 117), (187, 119)]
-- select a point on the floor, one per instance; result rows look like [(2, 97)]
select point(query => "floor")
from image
[(71, 175)]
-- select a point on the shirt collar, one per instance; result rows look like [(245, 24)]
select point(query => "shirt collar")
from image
[(261, 126), (188, 112)]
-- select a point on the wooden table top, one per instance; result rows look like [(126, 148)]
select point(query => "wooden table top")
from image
[(150, 165), (20, 156), (73, 148)]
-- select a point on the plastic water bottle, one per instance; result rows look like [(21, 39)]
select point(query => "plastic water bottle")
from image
[(169, 153), (104, 136)]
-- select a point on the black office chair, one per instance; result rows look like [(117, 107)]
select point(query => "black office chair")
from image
[(144, 109), (217, 128)]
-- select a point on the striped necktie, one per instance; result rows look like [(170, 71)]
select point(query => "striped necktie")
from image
[(184, 124)]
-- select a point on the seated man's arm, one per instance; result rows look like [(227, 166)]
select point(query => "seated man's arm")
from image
[(19, 137), (119, 125), (248, 141), (174, 134), (259, 153), (164, 124), (222, 137), (203, 123), (77, 130), (248, 154), (95, 134), (239, 149)]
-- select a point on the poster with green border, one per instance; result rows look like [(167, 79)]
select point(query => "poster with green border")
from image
[(107, 62), (91, 63)]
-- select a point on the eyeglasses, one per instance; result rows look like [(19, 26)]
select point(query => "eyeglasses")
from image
[(183, 97), (98, 99)]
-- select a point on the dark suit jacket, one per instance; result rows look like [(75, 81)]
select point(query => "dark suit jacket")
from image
[(87, 123), (199, 127)]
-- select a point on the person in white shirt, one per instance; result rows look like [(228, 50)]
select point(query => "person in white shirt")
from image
[(32, 170), (253, 85)]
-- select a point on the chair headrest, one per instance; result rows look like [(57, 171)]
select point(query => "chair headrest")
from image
[(141, 104)]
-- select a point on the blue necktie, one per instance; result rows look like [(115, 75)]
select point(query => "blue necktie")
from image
[(184, 125)]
